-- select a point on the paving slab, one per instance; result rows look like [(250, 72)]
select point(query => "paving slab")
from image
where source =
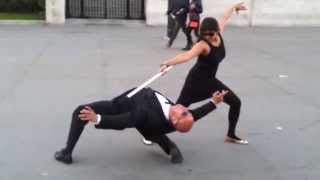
[(46, 71)]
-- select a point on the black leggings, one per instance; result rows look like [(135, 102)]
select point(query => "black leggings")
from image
[(189, 96)]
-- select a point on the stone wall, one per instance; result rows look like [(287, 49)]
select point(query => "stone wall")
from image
[(260, 13), (286, 12)]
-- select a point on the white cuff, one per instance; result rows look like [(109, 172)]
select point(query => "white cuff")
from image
[(98, 119)]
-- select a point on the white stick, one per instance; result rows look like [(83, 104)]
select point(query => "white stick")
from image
[(148, 82)]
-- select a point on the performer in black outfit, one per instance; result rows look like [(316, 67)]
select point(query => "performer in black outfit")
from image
[(152, 114), (201, 79)]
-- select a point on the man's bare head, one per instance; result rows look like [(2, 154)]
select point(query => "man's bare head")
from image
[(181, 118)]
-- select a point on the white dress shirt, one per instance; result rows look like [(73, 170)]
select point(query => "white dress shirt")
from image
[(164, 102)]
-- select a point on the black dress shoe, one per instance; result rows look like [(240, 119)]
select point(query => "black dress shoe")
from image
[(169, 44), (176, 156), (63, 157)]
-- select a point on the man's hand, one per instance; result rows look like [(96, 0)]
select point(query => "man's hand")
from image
[(88, 114), (192, 6), (172, 16), (217, 97)]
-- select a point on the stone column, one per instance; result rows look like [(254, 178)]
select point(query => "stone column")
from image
[(55, 11), (155, 11)]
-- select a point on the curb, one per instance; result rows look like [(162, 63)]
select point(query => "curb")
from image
[(21, 22), (123, 22)]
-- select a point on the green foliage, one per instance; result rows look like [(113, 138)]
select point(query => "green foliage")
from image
[(21, 16), (22, 6)]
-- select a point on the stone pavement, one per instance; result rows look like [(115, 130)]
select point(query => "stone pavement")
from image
[(46, 71)]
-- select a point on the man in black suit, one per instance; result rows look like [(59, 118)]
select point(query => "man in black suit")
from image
[(152, 114)]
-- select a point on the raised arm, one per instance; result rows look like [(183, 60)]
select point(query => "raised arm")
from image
[(196, 50), (228, 12)]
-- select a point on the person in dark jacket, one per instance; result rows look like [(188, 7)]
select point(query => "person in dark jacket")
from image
[(170, 20), (195, 9), (151, 113), (177, 11)]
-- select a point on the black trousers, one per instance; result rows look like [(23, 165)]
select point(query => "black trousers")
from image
[(179, 24), (195, 30), (170, 26), (190, 96), (116, 114)]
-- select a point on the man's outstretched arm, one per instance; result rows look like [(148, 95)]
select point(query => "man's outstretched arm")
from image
[(117, 122), (203, 110)]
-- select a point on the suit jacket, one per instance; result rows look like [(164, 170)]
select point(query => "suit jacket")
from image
[(198, 3), (144, 112), (174, 6)]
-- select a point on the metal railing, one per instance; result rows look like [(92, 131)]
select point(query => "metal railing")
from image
[(108, 9)]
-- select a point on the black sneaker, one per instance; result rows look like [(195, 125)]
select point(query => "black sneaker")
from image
[(63, 157)]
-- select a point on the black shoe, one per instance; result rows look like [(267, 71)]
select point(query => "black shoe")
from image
[(187, 48), (63, 157), (176, 156)]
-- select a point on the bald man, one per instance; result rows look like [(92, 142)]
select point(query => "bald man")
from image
[(151, 113)]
